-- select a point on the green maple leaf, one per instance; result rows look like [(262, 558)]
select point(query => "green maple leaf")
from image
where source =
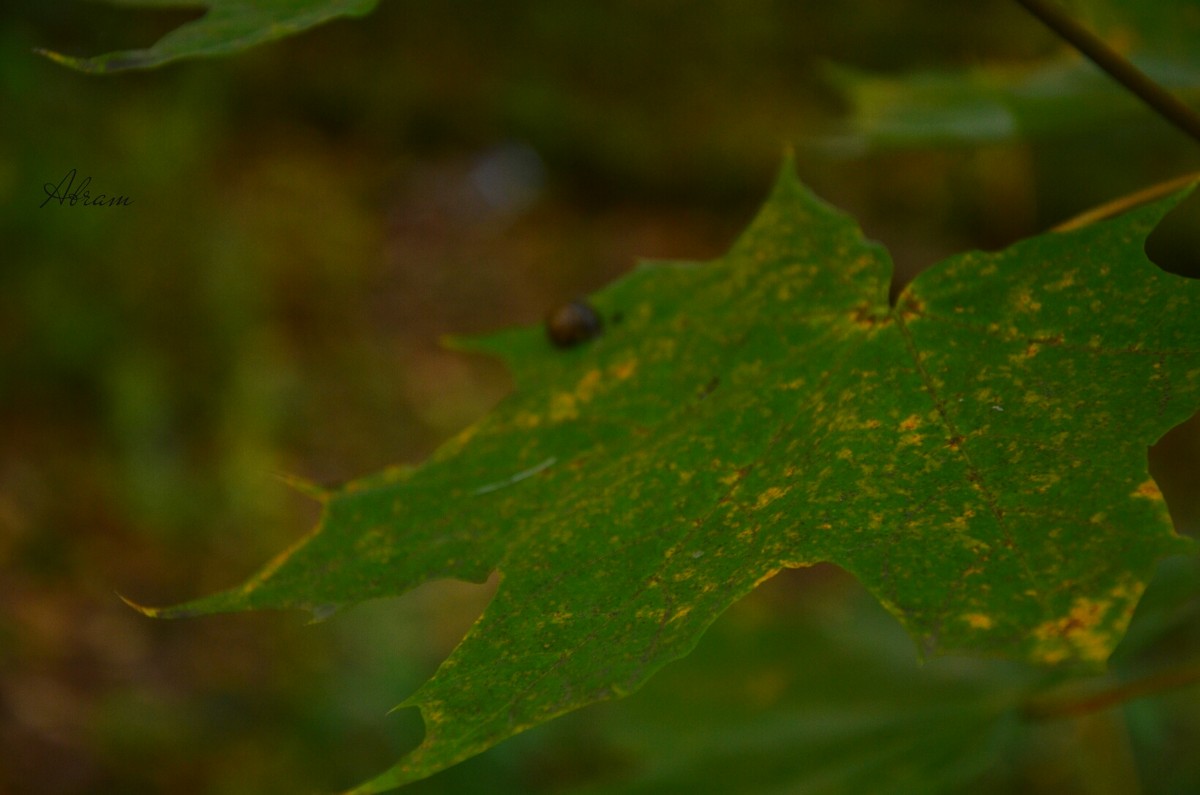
[(975, 455), (228, 26)]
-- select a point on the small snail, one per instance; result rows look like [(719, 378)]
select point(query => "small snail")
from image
[(572, 323)]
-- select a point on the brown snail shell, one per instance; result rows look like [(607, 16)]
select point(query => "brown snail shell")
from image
[(572, 323)]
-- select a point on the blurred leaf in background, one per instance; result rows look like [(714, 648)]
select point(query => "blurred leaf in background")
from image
[(225, 27), (1059, 93)]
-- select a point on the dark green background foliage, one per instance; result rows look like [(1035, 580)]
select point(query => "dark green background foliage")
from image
[(307, 222)]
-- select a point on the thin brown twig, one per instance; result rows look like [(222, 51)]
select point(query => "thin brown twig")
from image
[(1049, 707), (1163, 102), (1117, 206)]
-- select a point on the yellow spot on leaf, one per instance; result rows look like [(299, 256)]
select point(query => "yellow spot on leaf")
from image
[(1084, 632), (1067, 280), (910, 423), (864, 316), (1148, 490), (459, 441), (623, 370), (1045, 481), (769, 496), (766, 577), (1025, 302), (586, 388), (563, 407), (979, 621), (527, 419), (911, 308)]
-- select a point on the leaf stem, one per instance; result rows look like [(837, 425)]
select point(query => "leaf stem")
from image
[(1117, 66), (1120, 205), (1053, 706)]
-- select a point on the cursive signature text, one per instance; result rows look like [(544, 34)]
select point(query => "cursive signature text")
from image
[(63, 194)]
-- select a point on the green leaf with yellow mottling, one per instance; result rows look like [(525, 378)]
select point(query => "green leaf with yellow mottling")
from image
[(228, 26), (974, 454)]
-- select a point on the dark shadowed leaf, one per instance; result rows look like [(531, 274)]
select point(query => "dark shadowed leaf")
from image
[(806, 698), (227, 27)]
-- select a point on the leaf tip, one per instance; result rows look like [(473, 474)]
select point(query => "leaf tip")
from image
[(106, 64), (459, 343), (787, 169), (497, 344), (58, 58), (304, 486), (150, 612), (322, 613)]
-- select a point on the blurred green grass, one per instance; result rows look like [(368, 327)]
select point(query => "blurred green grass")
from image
[(307, 220)]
